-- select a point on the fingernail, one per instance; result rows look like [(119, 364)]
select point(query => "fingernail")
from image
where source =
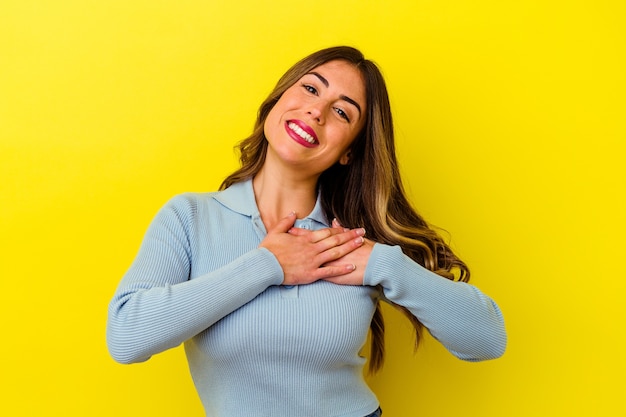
[(359, 240), (351, 267), (360, 231)]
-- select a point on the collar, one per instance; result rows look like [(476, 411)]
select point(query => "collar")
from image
[(239, 198)]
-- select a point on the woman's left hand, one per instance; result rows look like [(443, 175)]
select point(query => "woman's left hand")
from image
[(358, 257)]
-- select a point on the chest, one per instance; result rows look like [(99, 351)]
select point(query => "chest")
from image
[(308, 322), (321, 323)]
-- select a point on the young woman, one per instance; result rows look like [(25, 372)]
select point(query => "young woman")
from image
[(274, 281)]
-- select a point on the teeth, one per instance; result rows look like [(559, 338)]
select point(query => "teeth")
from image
[(301, 133)]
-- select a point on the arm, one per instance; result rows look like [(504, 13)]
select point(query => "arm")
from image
[(467, 322), (157, 306)]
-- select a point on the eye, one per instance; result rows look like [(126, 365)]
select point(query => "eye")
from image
[(342, 114), (310, 88)]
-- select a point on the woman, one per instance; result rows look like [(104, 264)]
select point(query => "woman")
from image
[(274, 308)]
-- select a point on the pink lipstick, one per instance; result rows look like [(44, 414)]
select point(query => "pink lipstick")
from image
[(301, 133)]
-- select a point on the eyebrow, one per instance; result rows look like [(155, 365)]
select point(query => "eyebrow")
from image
[(343, 97)]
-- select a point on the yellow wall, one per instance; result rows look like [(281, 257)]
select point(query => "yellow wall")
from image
[(511, 135)]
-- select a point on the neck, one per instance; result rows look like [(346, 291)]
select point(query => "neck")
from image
[(277, 195)]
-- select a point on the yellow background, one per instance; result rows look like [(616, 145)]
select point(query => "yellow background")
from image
[(511, 134)]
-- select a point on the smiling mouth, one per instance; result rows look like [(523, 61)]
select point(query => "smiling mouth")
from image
[(301, 133)]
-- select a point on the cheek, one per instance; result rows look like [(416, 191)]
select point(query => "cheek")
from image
[(346, 137), (281, 106), (271, 121)]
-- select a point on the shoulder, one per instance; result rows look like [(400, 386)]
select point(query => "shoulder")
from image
[(184, 208), (191, 207), (191, 201)]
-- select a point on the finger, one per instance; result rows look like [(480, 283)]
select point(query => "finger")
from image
[(297, 231), (321, 234), (344, 233), (338, 251), (336, 225), (314, 235), (284, 224), (329, 272), (353, 278), (339, 237)]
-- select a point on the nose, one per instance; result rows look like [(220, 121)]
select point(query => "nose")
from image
[(317, 112)]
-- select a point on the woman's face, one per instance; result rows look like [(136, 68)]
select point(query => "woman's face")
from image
[(314, 122)]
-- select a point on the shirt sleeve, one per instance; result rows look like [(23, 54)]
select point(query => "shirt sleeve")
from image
[(156, 305), (466, 321)]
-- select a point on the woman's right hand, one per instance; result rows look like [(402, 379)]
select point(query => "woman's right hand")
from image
[(303, 253)]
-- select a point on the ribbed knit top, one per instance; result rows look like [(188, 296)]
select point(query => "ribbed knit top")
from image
[(258, 348)]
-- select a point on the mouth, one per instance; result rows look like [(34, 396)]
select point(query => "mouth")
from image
[(301, 133)]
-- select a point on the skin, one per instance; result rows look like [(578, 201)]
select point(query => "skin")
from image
[(327, 103), (327, 111), (358, 257)]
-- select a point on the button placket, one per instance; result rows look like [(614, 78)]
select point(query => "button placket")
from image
[(259, 227), (293, 291), (289, 291)]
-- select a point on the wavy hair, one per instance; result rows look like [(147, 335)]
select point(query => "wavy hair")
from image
[(368, 192)]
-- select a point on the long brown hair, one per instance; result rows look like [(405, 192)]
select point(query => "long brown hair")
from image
[(368, 192)]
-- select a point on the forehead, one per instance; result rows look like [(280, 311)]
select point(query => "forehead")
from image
[(343, 77)]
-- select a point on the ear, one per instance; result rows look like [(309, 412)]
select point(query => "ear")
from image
[(346, 158)]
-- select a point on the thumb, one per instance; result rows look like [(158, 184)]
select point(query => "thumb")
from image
[(284, 224)]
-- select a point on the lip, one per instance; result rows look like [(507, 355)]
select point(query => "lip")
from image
[(297, 137)]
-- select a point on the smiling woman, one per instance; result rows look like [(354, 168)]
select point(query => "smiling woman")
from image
[(275, 308), (314, 122)]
